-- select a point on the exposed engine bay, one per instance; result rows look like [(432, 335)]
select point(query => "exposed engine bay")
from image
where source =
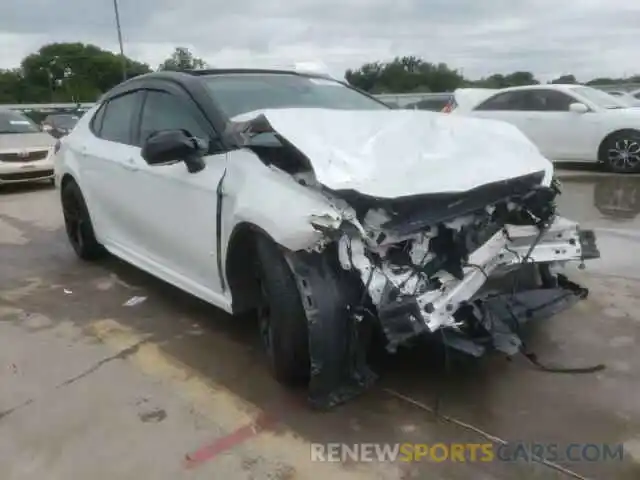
[(472, 266)]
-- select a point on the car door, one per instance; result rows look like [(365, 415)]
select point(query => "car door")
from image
[(506, 106), (560, 133), (173, 212), (106, 160)]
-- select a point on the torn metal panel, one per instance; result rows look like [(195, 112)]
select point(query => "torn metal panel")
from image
[(436, 298), (391, 154), (337, 330)]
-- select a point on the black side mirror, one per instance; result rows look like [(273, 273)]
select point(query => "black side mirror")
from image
[(170, 146)]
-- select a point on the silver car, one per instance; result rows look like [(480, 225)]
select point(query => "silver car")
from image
[(26, 152)]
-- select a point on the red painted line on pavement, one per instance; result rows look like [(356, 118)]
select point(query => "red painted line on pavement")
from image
[(223, 444)]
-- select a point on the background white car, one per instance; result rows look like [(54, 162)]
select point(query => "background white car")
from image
[(25, 150), (566, 122)]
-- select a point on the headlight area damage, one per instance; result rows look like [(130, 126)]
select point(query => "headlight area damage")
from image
[(468, 268)]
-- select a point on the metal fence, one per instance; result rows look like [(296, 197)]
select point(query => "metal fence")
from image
[(408, 100), (627, 87), (47, 107)]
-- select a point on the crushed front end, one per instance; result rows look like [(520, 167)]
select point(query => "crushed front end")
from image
[(472, 266)]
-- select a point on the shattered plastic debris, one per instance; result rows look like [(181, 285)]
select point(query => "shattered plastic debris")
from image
[(133, 301), (67, 291)]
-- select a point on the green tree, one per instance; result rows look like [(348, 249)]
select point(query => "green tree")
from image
[(404, 75), (11, 85), (182, 59), (72, 72), (498, 80), (565, 80), (366, 77)]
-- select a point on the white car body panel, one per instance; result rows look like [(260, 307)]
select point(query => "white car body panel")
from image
[(163, 219), (562, 136)]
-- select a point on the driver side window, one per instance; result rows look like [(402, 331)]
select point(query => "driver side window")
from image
[(164, 111), (549, 101)]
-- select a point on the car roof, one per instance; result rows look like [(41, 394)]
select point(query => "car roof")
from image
[(230, 71), (191, 77), (185, 74), (11, 111), (469, 98), (544, 86)]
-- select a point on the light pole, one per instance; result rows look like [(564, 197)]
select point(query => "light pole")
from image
[(52, 80), (122, 58)]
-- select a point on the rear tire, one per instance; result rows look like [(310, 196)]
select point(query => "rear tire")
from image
[(283, 322), (78, 224), (620, 153)]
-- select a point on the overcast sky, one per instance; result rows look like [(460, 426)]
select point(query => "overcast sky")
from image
[(549, 37)]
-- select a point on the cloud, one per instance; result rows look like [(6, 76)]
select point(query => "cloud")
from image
[(585, 37)]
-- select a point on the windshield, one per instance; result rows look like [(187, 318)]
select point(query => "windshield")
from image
[(236, 94), (600, 98), (62, 121), (14, 122)]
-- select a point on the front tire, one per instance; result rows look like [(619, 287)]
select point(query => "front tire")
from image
[(620, 153), (78, 223), (283, 322)]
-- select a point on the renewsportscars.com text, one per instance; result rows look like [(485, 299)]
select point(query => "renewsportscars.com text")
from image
[(466, 452)]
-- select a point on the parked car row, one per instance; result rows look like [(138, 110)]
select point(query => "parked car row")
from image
[(568, 123), (26, 148)]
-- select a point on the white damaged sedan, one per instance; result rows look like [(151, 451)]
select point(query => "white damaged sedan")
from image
[(330, 214)]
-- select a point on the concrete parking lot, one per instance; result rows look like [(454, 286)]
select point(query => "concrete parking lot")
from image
[(170, 388)]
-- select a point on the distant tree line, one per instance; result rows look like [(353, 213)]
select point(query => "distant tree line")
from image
[(77, 72), (415, 75)]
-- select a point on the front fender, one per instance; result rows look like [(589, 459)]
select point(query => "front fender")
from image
[(270, 201)]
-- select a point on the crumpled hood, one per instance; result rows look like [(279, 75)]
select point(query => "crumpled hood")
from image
[(394, 153), (25, 141)]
